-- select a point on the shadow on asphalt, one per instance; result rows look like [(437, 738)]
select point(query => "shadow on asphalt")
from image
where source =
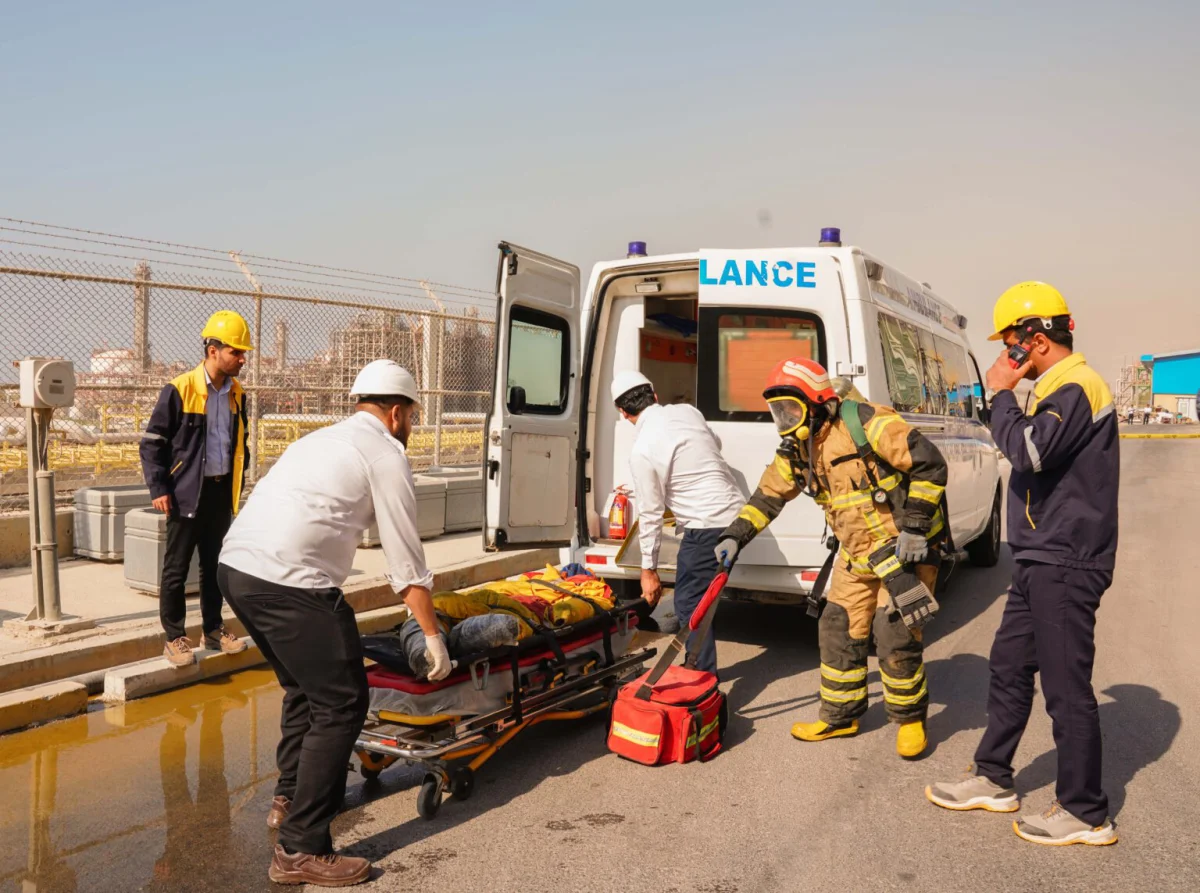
[(1139, 727)]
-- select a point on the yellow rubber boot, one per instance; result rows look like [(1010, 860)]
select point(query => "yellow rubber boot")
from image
[(911, 740), (820, 731)]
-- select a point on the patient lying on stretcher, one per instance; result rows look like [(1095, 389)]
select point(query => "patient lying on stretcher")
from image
[(494, 616)]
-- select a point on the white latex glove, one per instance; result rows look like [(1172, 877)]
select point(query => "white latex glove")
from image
[(438, 657)]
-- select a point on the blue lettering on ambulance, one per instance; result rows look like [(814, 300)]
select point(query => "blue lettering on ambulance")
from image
[(731, 275), (756, 269), (781, 281), (806, 275), (705, 279)]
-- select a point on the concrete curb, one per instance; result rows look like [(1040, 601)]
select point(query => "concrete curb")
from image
[(41, 703), (33, 668), (155, 676)]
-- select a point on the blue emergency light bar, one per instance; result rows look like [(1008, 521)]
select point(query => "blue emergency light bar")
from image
[(637, 249), (831, 234)]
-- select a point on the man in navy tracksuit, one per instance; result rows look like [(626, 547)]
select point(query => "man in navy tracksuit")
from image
[(1062, 528)]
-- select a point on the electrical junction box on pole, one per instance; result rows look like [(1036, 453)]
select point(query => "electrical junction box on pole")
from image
[(47, 383)]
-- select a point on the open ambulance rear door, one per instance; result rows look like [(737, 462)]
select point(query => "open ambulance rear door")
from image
[(532, 427)]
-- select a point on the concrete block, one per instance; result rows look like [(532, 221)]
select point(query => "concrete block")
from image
[(145, 545), (41, 703), (14, 537), (431, 511), (100, 519), (153, 676), (464, 497)]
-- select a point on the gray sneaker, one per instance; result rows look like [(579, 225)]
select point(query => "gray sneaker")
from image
[(973, 792), (1057, 827)]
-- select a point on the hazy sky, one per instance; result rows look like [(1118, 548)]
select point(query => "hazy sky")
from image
[(969, 145)]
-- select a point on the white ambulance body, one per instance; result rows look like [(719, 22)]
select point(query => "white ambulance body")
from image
[(706, 328)]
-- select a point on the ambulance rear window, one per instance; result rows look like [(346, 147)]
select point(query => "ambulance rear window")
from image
[(737, 350)]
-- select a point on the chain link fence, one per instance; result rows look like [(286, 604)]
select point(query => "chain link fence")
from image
[(130, 325)]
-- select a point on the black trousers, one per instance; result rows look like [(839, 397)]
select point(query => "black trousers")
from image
[(311, 641), (205, 532), (694, 570), (1049, 628)]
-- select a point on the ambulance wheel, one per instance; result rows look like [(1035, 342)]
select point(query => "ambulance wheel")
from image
[(985, 551), (462, 782), (429, 798)]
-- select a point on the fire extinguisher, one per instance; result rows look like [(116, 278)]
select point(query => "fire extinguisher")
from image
[(618, 515)]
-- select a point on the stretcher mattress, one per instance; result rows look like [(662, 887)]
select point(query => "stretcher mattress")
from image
[(461, 694)]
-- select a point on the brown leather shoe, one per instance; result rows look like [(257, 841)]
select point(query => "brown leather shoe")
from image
[(330, 870), (222, 640), (280, 806), (178, 652)]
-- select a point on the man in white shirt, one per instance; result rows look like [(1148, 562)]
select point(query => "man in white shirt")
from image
[(676, 464), (281, 568)]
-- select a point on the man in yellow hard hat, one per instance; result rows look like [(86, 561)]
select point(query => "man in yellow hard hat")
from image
[(194, 455), (1062, 528)]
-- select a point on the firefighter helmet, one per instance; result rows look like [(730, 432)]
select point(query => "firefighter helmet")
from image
[(800, 377)]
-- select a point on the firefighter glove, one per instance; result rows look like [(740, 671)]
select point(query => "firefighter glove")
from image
[(912, 599), (438, 658), (912, 548), (726, 552)]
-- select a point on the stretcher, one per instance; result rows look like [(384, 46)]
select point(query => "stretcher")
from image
[(451, 728)]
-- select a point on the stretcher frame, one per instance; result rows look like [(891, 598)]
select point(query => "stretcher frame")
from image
[(435, 743)]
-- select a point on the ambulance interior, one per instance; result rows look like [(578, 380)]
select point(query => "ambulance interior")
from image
[(651, 323)]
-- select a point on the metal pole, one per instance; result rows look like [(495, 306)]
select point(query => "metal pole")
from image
[(48, 546), (33, 458), (439, 344), (256, 367)]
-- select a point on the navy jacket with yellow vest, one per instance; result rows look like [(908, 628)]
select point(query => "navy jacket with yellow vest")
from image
[(1062, 505), (172, 450)]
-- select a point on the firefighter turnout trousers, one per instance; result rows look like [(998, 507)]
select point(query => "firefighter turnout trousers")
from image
[(855, 604)]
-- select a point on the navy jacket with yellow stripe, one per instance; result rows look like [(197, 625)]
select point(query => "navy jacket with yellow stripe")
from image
[(172, 449), (1062, 506)]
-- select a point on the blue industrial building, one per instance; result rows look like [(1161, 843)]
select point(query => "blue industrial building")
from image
[(1175, 381)]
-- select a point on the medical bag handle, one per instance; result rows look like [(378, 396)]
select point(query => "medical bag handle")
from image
[(700, 623)]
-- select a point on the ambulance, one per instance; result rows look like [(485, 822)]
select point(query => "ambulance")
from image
[(706, 328)]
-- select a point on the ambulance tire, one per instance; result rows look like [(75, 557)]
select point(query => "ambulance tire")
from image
[(985, 551), (429, 798)]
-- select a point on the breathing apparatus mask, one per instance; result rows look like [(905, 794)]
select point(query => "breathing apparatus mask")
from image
[(798, 424)]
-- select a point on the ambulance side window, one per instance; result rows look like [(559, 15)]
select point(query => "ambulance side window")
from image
[(902, 360), (957, 376), (739, 347), (933, 362), (538, 362)]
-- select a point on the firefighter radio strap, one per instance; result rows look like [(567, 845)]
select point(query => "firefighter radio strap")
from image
[(849, 414)]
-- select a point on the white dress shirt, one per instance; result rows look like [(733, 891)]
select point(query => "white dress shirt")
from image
[(676, 463), (306, 517)]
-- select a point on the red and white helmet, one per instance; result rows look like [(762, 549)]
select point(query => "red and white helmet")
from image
[(792, 387), (800, 377)]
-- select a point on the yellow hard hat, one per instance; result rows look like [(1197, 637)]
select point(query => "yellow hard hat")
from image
[(229, 328), (1025, 300)]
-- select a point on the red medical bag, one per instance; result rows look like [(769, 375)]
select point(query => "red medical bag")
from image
[(672, 714)]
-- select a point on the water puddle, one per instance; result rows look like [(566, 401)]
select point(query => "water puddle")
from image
[(166, 793)]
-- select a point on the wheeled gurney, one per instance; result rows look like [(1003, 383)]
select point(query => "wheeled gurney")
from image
[(559, 674)]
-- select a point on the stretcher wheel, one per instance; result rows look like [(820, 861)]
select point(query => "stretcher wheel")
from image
[(429, 798), (370, 774), (462, 782), (371, 765)]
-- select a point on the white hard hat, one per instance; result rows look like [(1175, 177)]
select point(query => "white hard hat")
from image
[(385, 378), (624, 382)]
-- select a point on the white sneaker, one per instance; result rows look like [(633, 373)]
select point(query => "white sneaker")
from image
[(1057, 827), (973, 792)]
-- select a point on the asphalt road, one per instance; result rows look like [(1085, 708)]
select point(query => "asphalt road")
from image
[(555, 811)]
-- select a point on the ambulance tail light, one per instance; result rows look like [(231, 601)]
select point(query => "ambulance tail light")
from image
[(808, 576), (595, 559)]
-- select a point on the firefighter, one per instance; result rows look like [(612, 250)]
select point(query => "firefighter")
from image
[(882, 486)]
